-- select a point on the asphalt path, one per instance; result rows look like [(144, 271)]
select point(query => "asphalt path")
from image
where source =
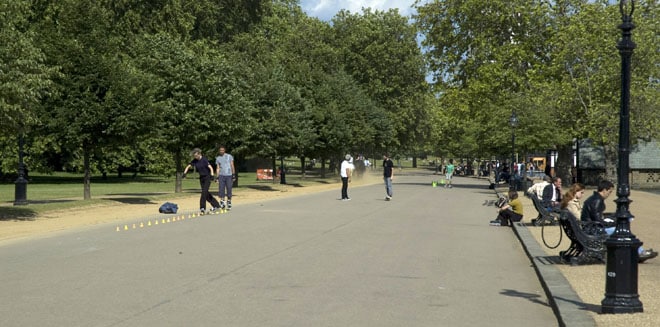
[(426, 258)]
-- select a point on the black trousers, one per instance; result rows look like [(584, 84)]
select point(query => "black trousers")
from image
[(205, 183), (344, 188), (508, 217)]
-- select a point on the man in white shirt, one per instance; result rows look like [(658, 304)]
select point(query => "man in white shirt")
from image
[(537, 188), (345, 173)]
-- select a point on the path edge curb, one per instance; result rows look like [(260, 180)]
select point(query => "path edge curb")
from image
[(565, 302)]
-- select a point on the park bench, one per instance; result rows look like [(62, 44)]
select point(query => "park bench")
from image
[(587, 241), (545, 216)]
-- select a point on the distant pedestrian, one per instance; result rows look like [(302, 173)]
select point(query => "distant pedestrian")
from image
[(345, 173), (205, 171), (449, 173), (388, 174), (226, 176)]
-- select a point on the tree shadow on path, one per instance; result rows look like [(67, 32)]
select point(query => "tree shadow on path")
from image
[(17, 213)]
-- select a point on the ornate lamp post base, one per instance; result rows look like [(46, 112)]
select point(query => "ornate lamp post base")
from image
[(621, 275), (20, 191)]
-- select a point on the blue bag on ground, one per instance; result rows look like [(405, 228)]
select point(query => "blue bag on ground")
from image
[(168, 207)]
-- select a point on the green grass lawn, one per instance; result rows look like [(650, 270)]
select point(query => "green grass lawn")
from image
[(65, 190)]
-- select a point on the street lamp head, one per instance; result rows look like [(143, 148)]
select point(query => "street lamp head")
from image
[(513, 120), (627, 7)]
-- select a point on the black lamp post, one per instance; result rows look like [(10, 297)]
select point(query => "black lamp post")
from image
[(621, 270), (20, 185), (513, 122)]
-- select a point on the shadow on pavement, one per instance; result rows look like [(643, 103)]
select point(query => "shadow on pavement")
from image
[(534, 298), (131, 200), (17, 213), (139, 194), (262, 188), (581, 305)]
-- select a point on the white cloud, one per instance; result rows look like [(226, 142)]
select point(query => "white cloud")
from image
[(326, 9)]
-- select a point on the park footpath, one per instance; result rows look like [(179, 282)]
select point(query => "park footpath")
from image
[(575, 292)]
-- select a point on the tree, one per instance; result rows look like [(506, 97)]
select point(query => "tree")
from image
[(586, 89), (103, 100), (197, 95), (25, 77), (379, 49)]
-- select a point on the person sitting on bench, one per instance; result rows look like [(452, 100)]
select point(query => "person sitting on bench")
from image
[(537, 189), (552, 195), (594, 209), (571, 200)]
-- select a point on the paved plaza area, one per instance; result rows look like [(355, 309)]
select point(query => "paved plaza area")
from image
[(426, 258)]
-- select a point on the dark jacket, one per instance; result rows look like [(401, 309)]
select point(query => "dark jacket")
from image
[(593, 208), (546, 199)]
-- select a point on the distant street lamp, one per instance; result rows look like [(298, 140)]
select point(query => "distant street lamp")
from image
[(622, 257), (513, 122), (20, 185)]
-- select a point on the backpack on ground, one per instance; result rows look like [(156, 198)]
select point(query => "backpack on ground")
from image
[(168, 207)]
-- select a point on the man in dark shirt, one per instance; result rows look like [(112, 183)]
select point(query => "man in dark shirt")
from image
[(552, 195), (205, 170), (594, 208), (388, 174)]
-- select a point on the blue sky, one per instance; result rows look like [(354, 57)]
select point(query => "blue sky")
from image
[(326, 9)]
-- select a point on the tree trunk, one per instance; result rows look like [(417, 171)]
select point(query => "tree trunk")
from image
[(611, 155), (87, 179), (322, 167), (178, 188), (274, 165), (414, 163), (564, 164), (302, 167)]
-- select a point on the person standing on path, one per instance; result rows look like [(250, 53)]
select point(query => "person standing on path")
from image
[(449, 173), (388, 174), (345, 173), (226, 176), (205, 171)]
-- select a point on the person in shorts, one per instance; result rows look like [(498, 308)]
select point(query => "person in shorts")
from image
[(449, 173)]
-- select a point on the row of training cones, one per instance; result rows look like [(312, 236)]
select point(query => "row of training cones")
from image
[(170, 220), (436, 183)]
